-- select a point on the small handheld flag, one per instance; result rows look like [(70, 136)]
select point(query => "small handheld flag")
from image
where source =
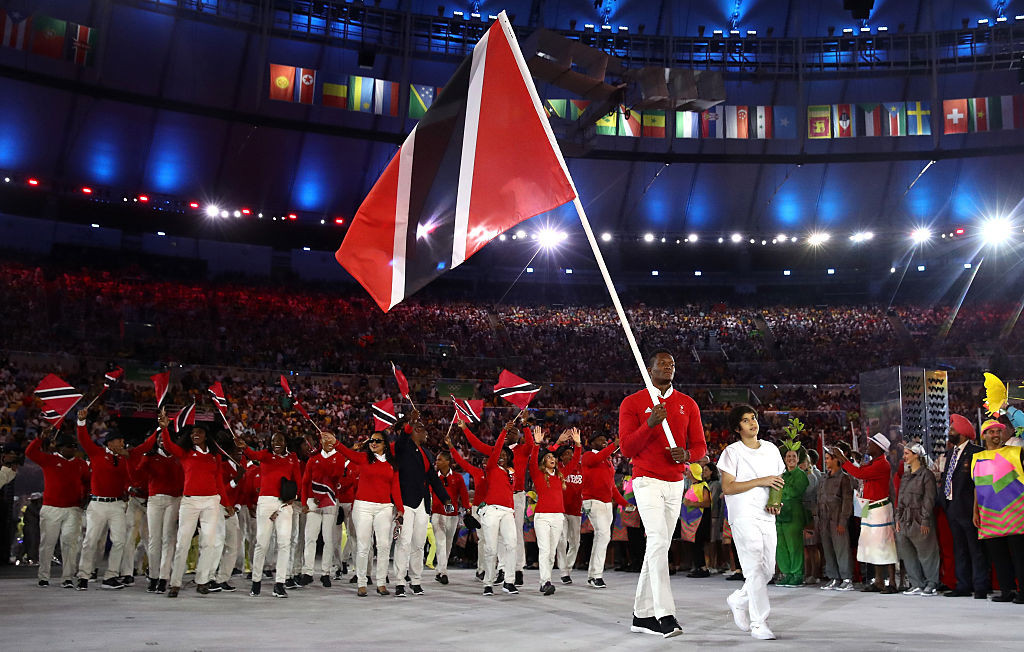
[(161, 382), (469, 411), (383, 415), (299, 407), (58, 397), (112, 377), (515, 390), (186, 416), (403, 383), (217, 392)]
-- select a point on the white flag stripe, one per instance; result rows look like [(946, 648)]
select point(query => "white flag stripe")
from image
[(469, 136), (1006, 104), (405, 155), (730, 122)]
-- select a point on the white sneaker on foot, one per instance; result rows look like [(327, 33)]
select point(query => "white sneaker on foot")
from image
[(761, 632), (740, 615)]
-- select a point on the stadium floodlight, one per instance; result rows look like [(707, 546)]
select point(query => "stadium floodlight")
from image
[(781, 237), (520, 234), (212, 210), (920, 268), (817, 238), (648, 237), (862, 236), (606, 237), (736, 237), (995, 230), (692, 238), (920, 235), (550, 238)]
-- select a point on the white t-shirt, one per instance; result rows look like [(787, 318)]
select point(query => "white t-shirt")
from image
[(744, 464)]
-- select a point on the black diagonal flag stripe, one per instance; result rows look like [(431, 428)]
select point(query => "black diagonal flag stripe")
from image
[(526, 388), (386, 417), (57, 393)]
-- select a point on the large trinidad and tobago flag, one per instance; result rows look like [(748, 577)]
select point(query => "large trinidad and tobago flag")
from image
[(481, 160), (58, 397), (515, 390)]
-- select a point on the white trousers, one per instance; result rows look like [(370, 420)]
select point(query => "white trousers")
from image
[(445, 529), (247, 534), (372, 520), (266, 507), (162, 517), (658, 503), (64, 523), (346, 553), (135, 526), (409, 548), (232, 538), (319, 521), (549, 527), (207, 513), (498, 536), (755, 541), (100, 517), (297, 547), (519, 504), (601, 517), (569, 543)]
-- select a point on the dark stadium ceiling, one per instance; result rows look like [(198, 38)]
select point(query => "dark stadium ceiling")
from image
[(175, 106)]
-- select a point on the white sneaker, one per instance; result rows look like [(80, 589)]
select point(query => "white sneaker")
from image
[(761, 632), (847, 585), (740, 615), (831, 586)]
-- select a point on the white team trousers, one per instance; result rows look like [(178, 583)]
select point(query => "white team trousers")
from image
[(755, 541), (409, 548), (519, 503), (64, 523), (162, 517), (266, 507), (319, 521), (207, 513), (232, 537), (445, 529), (569, 543), (372, 520), (548, 527), (498, 535), (135, 522), (100, 517), (601, 517), (658, 502)]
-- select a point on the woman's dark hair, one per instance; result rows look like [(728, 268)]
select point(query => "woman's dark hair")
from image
[(185, 438), (712, 473), (736, 415), (371, 458)]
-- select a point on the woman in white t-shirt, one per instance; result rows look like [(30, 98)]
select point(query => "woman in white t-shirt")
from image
[(748, 469)]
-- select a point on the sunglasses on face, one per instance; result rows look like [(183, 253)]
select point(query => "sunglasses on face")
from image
[(376, 441)]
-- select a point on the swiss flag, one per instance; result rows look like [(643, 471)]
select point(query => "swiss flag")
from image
[(954, 116), (481, 160)]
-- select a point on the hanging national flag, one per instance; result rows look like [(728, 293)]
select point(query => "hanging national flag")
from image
[(653, 124), (467, 410), (819, 121), (336, 96), (515, 390), (576, 108), (712, 122), (458, 182), (977, 114), (555, 108), (385, 97), (305, 85), (954, 117), (360, 94), (83, 44), (785, 121), (186, 416), (842, 118), (383, 415), (57, 397), (629, 122), (1012, 111), (420, 99), (870, 119), (687, 124), (112, 377), (161, 382), (919, 119), (282, 83), (15, 29), (606, 124), (219, 400), (764, 124), (403, 383), (737, 122), (896, 114), (48, 36)]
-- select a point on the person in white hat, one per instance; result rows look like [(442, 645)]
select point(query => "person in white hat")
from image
[(877, 543)]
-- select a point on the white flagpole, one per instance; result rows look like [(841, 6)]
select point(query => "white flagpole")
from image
[(542, 115)]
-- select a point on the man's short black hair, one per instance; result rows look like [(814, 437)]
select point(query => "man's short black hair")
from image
[(654, 355), (736, 415)]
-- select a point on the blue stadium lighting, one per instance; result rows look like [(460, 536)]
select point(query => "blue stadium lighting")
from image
[(920, 268), (568, 270), (550, 238), (1001, 19), (848, 30), (883, 29), (458, 14), (830, 271), (967, 265), (717, 32), (589, 26), (606, 28), (1018, 17), (751, 32), (734, 32), (865, 30), (623, 28), (861, 236), (475, 15), (529, 270), (983, 21)]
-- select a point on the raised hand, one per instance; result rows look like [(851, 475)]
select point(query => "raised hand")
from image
[(538, 434), (162, 419), (82, 414)]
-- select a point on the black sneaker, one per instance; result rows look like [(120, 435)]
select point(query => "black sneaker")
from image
[(669, 626), (255, 590), (305, 580), (325, 580), (67, 584), (83, 584), (227, 588), (289, 583), (152, 585), (443, 579), (44, 583), (128, 579), (213, 587), (437, 578), (338, 574), (161, 586), (509, 588), (737, 577), (480, 576), (416, 589), (647, 625), (93, 576), (500, 579), (248, 576), (400, 591), (173, 591), (519, 578), (202, 589), (699, 572), (407, 580), (353, 580), (236, 571), (548, 588), (488, 590), (279, 591), (566, 579), (112, 583), (597, 583)]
